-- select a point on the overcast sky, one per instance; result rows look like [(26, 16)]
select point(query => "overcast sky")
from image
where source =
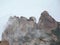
[(27, 8)]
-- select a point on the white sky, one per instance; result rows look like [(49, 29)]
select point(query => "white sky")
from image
[(27, 8)]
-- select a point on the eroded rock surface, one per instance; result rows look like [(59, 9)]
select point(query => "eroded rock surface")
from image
[(46, 22), (50, 26), (23, 31)]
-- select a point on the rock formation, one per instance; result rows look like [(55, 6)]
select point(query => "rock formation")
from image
[(23, 31), (4, 43), (46, 22)]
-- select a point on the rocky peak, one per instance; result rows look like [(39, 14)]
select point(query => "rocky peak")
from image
[(23, 31), (47, 22)]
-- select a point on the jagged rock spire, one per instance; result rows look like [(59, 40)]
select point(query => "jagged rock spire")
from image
[(47, 22)]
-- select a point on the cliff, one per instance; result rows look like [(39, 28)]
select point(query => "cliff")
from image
[(23, 31)]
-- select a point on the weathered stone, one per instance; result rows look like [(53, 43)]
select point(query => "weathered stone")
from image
[(23, 31), (46, 22), (4, 43), (51, 26), (32, 19)]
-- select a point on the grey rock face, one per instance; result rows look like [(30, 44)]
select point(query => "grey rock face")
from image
[(46, 22), (51, 26), (23, 31)]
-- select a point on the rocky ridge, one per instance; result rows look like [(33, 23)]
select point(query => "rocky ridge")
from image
[(23, 31)]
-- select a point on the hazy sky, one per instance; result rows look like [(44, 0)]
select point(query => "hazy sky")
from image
[(27, 8)]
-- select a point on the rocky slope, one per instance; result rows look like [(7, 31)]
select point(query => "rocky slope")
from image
[(23, 31)]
